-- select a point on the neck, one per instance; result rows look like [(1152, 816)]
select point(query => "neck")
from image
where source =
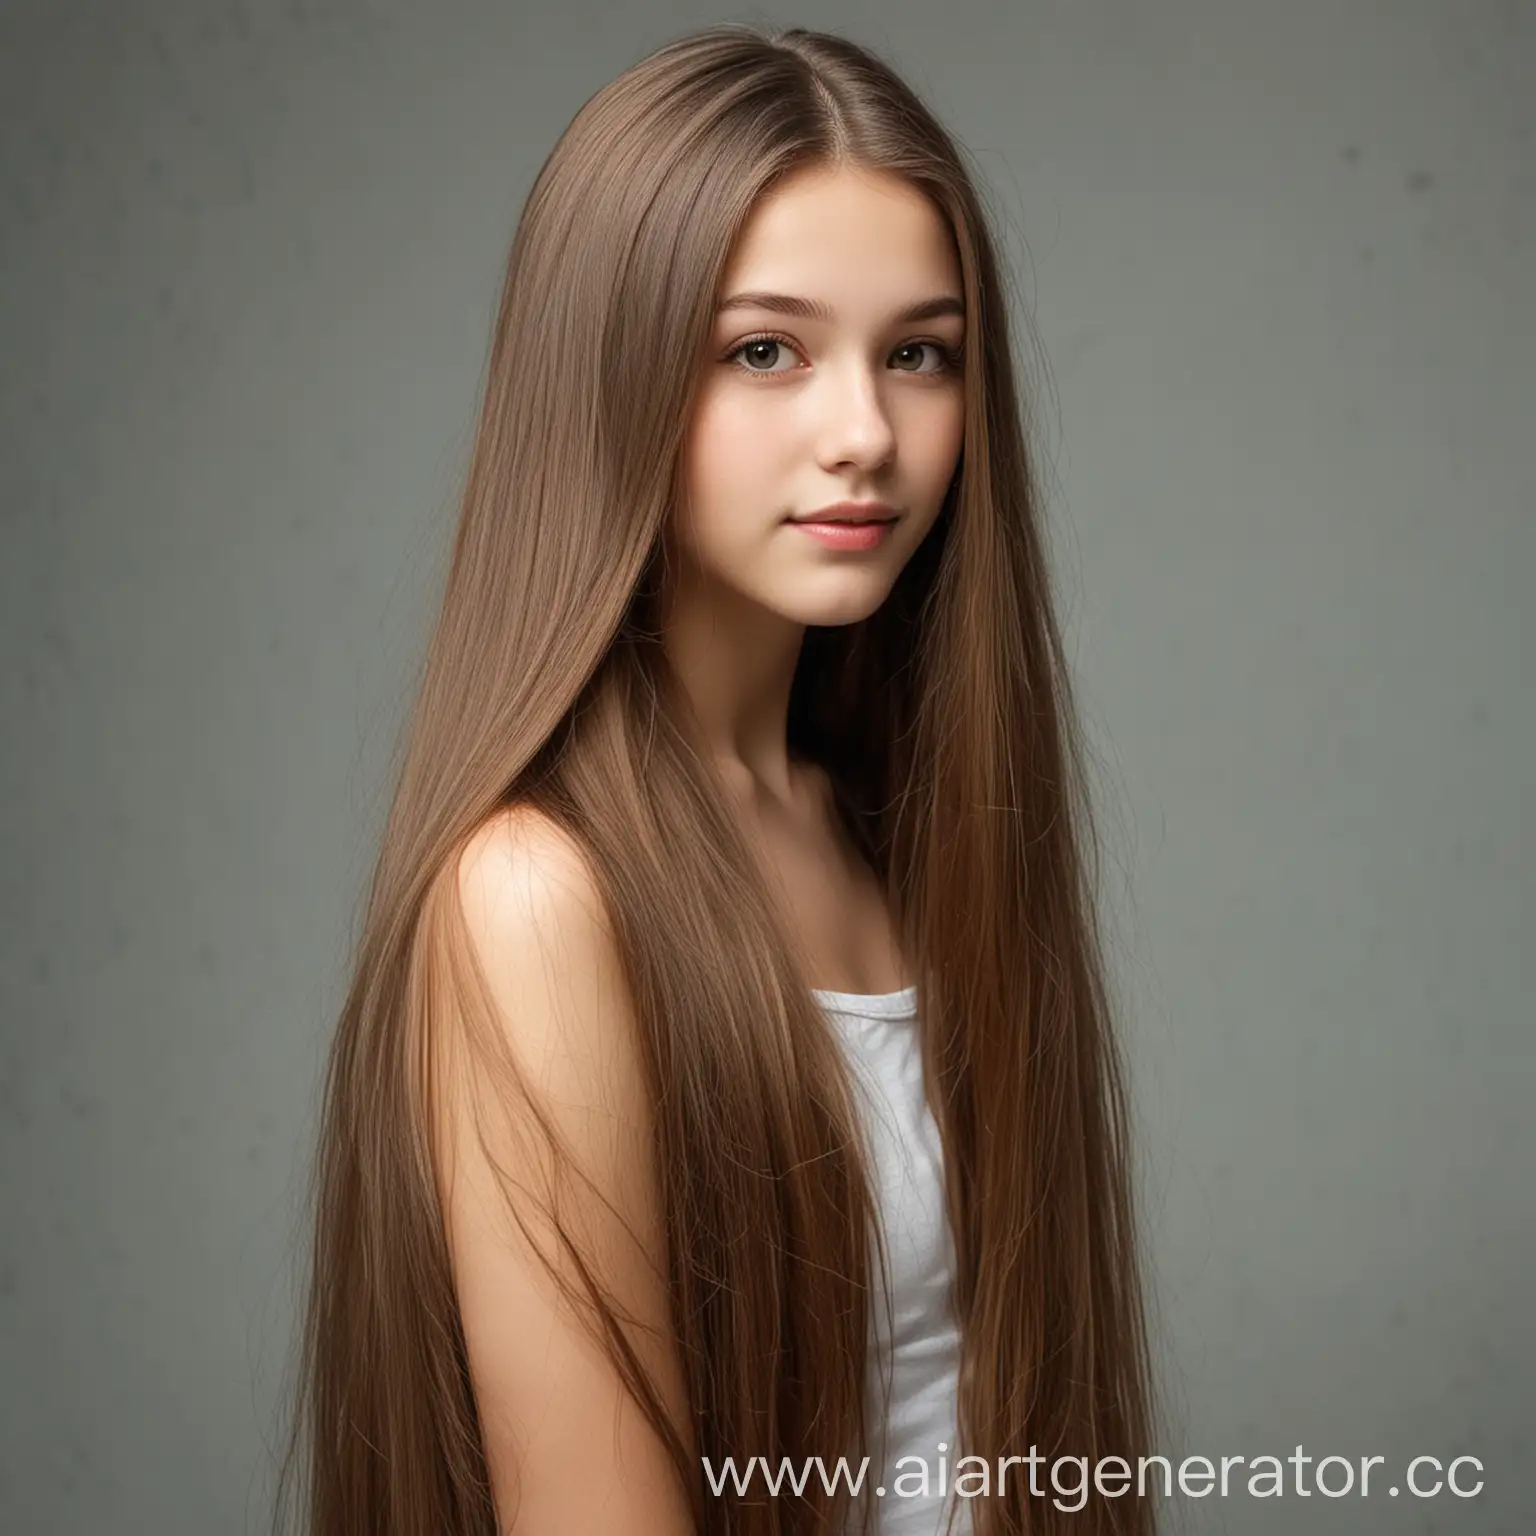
[(735, 661)]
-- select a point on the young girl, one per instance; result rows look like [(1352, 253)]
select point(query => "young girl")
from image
[(727, 1071)]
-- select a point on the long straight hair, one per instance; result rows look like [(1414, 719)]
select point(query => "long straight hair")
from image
[(946, 725)]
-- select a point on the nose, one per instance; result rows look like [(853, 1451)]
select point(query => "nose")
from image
[(855, 422)]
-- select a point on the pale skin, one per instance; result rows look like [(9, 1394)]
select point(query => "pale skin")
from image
[(848, 405), (855, 406)]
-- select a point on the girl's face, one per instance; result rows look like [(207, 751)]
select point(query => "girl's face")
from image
[(832, 376)]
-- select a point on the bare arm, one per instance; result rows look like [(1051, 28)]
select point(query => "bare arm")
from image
[(568, 1449)]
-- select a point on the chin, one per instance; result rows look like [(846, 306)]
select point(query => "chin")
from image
[(828, 611)]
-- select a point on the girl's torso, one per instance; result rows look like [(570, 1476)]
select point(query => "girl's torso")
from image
[(916, 1340), (831, 898), (837, 911)]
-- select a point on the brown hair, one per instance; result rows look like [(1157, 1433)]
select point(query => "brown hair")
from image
[(945, 723)]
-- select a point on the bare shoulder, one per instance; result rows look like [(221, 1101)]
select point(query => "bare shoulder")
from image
[(565, 1445), (523, 866), (536, 918)]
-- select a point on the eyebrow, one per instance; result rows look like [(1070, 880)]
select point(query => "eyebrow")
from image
[(814, 309)]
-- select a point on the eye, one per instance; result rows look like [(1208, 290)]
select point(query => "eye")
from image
[(949, 359), (753, 349)]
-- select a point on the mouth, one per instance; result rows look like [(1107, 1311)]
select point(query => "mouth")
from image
[(850, 513), (846, 533)]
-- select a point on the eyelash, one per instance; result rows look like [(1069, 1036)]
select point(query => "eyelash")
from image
[(951, 357)]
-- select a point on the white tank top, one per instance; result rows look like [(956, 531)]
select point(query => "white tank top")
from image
[(917, 1342)]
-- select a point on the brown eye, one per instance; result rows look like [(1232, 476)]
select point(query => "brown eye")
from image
[(745, 356), (753, 350), (947, 359)]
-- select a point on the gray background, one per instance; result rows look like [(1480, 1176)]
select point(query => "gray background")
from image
[(1279, 256)]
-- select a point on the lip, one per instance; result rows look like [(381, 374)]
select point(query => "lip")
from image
[(849, 512), (843, 534)]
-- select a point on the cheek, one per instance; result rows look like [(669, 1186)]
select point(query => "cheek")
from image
[(949, 435), (729, 444), (933, 458), (941, 455), (729, 470)]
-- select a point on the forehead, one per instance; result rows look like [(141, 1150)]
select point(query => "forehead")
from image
[(847, 235)]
